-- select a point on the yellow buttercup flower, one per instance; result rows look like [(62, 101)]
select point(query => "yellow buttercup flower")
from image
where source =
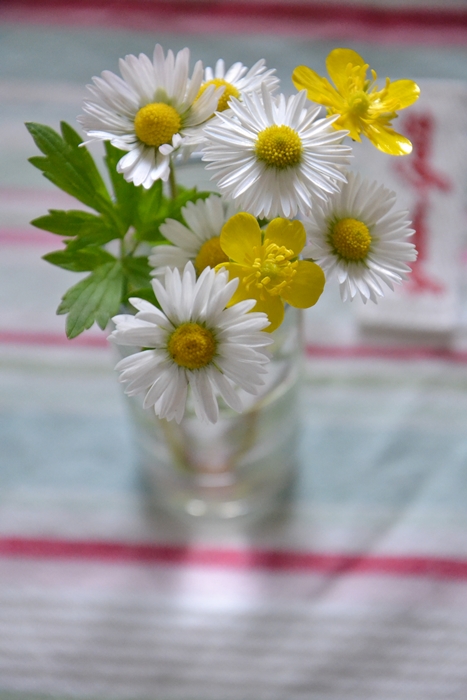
[(363, 108), (267, 265)]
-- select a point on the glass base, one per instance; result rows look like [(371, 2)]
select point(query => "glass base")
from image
[(238, 467)]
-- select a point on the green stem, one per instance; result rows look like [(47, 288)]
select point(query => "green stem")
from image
[(172, 181), (125, 278)]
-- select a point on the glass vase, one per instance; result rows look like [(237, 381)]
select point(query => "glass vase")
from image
[(238, 467)]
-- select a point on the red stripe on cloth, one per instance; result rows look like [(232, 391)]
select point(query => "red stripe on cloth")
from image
[(14, 196), (335, 352), (33, 338), (20, 235), (401, 24), (272, 560), (326, 352), (16, 236)]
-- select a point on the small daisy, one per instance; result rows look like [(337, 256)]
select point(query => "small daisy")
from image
[(148, 112), (355, 237), (198, 241), (238, 80), (273, 156), (193, 342)]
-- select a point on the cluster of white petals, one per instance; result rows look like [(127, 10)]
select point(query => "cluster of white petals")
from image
[(238, 361), (242, 79), (270, 156), (204, 221), (389, 251), (109, 115), (256, 185)]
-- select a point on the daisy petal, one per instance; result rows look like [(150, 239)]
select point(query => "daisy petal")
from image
[(193, 311)]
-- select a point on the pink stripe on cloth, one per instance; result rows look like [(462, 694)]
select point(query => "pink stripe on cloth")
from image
[(398, 25), (326, 352), (272, 560), (18, 337), (19, 236), (336, 352), (12, 196)]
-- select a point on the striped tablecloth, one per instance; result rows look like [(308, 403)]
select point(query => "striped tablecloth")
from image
[(356, 589)]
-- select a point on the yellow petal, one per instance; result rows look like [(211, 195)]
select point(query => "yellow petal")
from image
[(306, 287), (336, 64), (238, 236), (239, 271), (318, 89), (387, 140), (273, 307), (241, 292), (290, 234), (401, 93), (351, 123), (234, 269)]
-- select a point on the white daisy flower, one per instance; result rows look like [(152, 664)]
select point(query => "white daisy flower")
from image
[(238, 80), (198, 241), (273, 156), (194, 341), (355, 237), (149, 112)]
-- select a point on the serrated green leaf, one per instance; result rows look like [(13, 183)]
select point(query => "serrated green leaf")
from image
[(94, 239), (146, 293), (69, 223), (137, 271), (83, 159), (185, 195), (38, 162), (70, 136), (70, 166), (126, 194), (83, 228), (82, 260), (168, 209), (150, 231), (96, 298), (150, 203)]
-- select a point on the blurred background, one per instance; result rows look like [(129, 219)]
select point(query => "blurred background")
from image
[(356, 586)]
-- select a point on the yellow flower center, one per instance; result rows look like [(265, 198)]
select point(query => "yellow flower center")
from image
[(350, 239), (359, 103), (156, 123), (210, 254), (279, 147), (192, 346), (273, 269), (230, 91)]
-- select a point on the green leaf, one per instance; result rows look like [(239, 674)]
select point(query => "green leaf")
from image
[(86, 229), (126, 194), (149, 204), (70, 223), (146, 293), (72, 138), (137, 271), (82, 260), (95, 298), (186, 195), (70, 166), (148, 230), (94, 239)]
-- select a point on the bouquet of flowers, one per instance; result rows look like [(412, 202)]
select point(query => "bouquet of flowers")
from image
[(197, 281)]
